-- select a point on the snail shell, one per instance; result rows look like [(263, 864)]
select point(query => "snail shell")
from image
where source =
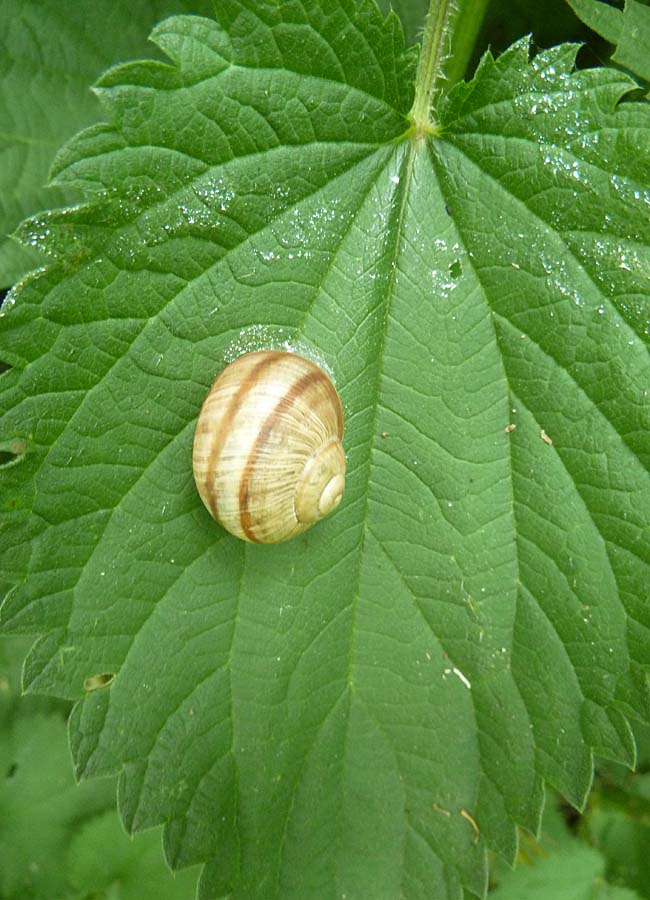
[(268, 460)]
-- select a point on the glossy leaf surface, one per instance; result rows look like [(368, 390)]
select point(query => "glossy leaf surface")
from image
[(50, 53), (362, 710)]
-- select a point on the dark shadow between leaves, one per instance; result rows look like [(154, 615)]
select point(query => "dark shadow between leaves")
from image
[(12, 451)]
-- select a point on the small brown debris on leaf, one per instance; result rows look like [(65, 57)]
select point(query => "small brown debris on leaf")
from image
[(441, 809), (545, 438), (94, 682), (509, 429), (477, 831)]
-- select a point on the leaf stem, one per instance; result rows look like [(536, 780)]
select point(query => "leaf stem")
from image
[(434, 51), (463, 40)]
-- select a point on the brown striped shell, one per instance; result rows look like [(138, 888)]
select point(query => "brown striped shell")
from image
[(268, 460)]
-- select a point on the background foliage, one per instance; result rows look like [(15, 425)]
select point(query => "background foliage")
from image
[(59, 840), (50, 55), (615, 825)]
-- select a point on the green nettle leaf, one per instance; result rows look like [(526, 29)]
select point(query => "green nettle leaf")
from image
[(101, 856), (556, 865), (50, 51), (362, 711), (12, 653), (56, 839), (618, 824), (40, 806), (628, 29), (573, 873)]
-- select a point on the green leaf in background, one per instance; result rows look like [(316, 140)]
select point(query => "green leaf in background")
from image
[(40, 807), (572, 873), (362, 710), (57, 839), (100, 856), (618, 824), (556, 866), (51, 51), (628, 29)]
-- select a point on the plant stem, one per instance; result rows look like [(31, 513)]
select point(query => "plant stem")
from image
[(435, 48), (466, 28)]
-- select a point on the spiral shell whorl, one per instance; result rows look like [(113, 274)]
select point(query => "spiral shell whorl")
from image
[(321, 485), (268, 460)]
